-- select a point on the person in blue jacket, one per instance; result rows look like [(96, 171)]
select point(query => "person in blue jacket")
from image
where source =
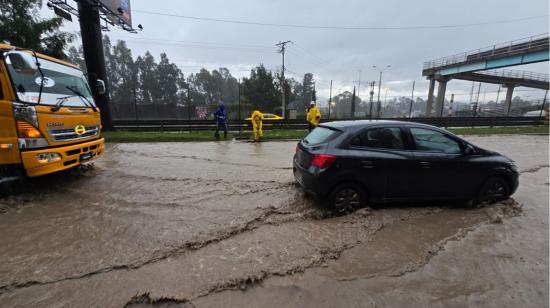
[(221, 121)]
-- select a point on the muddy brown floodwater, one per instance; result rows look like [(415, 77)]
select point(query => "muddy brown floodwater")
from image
[(221, 224)]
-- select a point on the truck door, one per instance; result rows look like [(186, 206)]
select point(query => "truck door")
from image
[(9, 150)]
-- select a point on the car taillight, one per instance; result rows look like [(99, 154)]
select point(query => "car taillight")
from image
[(323, 161), (26, 130)]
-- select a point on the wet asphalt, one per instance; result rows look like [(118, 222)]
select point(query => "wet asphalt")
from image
[(216, 224)]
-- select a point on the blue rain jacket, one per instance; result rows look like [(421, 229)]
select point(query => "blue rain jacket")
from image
[(220, 116)]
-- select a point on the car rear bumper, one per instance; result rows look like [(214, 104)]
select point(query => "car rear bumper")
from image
[(71, 156), (310, 182)]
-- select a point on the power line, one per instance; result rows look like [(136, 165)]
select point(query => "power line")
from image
[(303, 49), (198, 46), (373, 27), (193, 42)]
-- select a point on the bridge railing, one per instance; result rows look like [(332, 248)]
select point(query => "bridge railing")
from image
[(198, 125), (517, 74), (511, 47)]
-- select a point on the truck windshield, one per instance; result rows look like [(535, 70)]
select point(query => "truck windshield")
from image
[(59, 79)]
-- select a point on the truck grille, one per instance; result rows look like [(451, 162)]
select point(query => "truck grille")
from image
[(69, 133)]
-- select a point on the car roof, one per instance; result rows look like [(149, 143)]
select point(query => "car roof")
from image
[(359, 124)]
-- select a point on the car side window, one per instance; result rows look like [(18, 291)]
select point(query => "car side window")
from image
[(382, 138), (427, 140)]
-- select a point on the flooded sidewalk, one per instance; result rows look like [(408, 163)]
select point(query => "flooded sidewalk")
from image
[(223, 224)]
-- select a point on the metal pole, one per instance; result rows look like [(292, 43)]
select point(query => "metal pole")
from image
[(477, 100), (330, 99), (451, 105), (135, 100), (442, 107), (543, 102), (498, 92), (189, 102), (240, 124), (90, 31), (385, 102), (412, 100), (283, 100), (371, 99), (378, 104)]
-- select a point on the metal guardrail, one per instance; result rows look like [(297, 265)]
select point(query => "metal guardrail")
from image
[(516, 74), (198, 125), (511, 47)]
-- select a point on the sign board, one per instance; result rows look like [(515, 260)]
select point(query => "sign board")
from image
[(120, 10), (201, 112)]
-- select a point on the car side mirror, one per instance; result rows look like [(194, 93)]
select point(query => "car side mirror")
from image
[(100, 86), (22, 62), (469, 150)]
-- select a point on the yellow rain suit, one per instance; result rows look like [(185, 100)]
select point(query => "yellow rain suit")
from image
[(257, 118), (313, 115)]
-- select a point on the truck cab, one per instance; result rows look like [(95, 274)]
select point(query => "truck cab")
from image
[(48, 118)]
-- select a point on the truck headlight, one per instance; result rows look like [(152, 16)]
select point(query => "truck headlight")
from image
[(26, 113)]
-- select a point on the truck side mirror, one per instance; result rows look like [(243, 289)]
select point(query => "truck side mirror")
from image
[(100, 86), (22, 62)]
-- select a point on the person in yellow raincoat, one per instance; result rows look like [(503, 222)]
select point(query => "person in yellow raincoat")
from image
[(257, 118), (313, 116)]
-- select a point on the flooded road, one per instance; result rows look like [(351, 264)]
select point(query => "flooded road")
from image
[(222, 224)]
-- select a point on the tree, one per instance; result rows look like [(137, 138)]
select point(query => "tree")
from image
[(260, 90), (123, 73), (76, 56), (307, 90), (147, 92), (21, 25), (168, 75)]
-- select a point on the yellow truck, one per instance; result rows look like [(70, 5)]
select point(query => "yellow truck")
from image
[(48, 118)]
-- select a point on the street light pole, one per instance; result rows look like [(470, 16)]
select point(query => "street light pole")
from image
[(379, 85), (330, 100)]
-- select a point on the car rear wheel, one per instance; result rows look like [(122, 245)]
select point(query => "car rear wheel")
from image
[(495, 189), (346, 197)]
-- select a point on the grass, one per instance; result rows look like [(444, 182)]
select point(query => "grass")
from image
[(500, 130), (129, 136), (282, 134)]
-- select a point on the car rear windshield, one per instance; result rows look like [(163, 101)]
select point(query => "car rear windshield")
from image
[(320, 135)]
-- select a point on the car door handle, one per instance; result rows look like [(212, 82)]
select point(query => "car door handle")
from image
[(425, 165), (367, 164)]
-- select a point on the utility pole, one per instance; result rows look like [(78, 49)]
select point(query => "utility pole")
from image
[(451, 105), (353, 104), (92, 43), (189, 99), (477, 100), (240, 124), (385, 102), (359, 84), (371, 98), (282, 46), (543, 102), (412, 100), (379, 85), (330, 99)]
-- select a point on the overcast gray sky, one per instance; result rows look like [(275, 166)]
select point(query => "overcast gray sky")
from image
[(341, 55)]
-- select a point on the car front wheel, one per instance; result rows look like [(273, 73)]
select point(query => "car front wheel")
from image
[(346, 197), (495, 189)]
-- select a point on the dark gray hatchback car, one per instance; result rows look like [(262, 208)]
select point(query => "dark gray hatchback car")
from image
[(351, 163)]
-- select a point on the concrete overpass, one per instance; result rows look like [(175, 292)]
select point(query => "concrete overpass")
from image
[(470, 66)]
